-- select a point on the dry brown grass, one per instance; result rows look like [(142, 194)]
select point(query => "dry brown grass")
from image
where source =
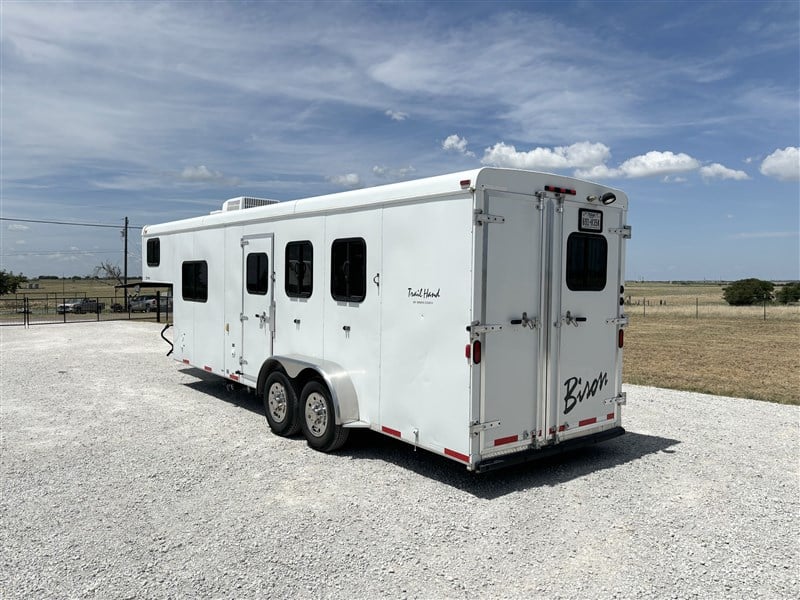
[(728, 350)]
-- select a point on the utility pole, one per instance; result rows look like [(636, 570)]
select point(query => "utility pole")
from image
[(125, 262)]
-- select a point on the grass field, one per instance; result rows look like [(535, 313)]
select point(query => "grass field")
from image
[(686, 337), (681, 336)]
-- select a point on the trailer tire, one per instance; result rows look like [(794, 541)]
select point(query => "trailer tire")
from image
[(318, 419), (280, 405)]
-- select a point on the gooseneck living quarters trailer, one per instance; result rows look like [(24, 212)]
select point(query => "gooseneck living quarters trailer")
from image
[(477, 315)]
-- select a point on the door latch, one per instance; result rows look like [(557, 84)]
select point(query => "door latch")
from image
[(262, 318), (526, 322), (570, 320)]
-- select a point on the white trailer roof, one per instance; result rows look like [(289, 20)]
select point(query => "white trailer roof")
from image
[(430, 187)]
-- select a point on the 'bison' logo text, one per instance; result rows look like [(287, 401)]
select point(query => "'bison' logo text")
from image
[(576, 393)]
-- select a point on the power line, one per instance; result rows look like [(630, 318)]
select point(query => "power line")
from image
[(59, 252), (69, 223)]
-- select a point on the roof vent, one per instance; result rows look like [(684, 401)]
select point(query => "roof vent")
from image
[(243, 202)]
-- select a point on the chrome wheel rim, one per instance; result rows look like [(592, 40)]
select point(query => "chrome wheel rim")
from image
[(276, 399), (316, 414)]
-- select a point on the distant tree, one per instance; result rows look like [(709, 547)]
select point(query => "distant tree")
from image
[(748, 291), (108, 270), (10, 282), (789, 293)]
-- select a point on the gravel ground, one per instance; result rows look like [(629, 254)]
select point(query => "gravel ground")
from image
[(126, 475)]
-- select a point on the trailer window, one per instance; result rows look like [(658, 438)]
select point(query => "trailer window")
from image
[(153, 252), (349, 270), (194, 280), (257, 279), (587, 262), (299, 269)]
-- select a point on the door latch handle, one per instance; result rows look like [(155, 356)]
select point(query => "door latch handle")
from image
[(570, 320), (526, 322)]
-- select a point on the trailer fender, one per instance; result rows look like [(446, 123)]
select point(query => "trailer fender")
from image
[(343, 393)]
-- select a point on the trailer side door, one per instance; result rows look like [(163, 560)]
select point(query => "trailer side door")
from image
[(258, 303)]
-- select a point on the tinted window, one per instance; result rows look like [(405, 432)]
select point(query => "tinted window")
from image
[(194, 281), (349, 270), (257, 280), (153, 252), (587, 262), (299, 269)]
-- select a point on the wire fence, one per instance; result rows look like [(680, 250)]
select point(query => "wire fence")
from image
[(700, 308), (41, 309)]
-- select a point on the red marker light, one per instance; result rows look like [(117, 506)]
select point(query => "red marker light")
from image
[(476, 352), (558, 190), (621, 338), (465, 183)]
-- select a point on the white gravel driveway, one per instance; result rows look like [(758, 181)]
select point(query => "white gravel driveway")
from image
[(126, 475)]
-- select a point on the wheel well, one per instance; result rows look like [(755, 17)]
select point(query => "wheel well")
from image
[(298, 382)]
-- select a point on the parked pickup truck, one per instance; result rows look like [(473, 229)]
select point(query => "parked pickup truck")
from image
[(80, 305)]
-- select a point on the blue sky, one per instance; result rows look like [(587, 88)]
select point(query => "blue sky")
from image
[(160, 111)]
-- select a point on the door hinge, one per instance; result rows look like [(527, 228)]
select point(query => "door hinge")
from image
[(481, 218), (476, 328), (242, 317), (618, 321), (619, 400), (242, 362), (244, 243), (476, 427), (625, 231)]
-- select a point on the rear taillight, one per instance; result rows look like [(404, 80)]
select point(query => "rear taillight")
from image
[(620, 338), (476, 352)]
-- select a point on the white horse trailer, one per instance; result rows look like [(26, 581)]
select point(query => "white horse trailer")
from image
[(477, 315)]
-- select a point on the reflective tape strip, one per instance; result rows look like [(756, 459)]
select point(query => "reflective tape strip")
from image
[(209, 369), (506, 440), (458, 455), (234, 377), (610, 416), (391, 431), (186, 361), (587, 421)]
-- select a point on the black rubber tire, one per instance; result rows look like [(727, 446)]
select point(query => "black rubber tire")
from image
[(280, 405), (318, 419)]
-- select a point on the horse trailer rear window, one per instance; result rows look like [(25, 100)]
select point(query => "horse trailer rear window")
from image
[(194, 281), (587, 262), (153, 252)]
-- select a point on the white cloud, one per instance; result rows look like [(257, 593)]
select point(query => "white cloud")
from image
[(718, 171), (18, 227), (783, 164), (392, 174), (21, 242), (652, 164), (201, 173), (455, 143), (581, 154), (396, 115), (349, 180)]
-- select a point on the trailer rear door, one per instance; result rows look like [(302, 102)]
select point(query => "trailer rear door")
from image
[(583, 341), (511, 374)]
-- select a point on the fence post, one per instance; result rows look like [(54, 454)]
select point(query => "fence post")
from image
[(644, 307), (765, 310), (697, 308)]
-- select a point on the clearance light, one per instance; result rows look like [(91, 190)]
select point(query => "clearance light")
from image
[(608, 198), (465, 183), (621, 338), (476, 352), (468, 352), (558, 190)]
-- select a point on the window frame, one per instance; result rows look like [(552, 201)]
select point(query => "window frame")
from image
[(196, 283), (301, 291), (256, 288), (153, 252), (585, 279), (348, 296)]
